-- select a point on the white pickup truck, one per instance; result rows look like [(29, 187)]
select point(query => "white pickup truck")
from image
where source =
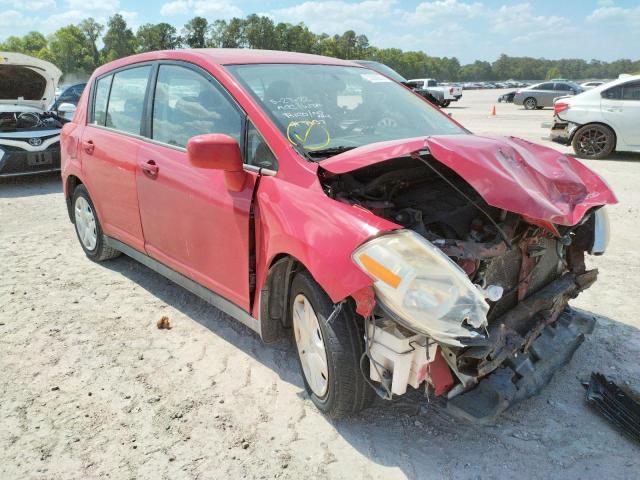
[(443, 95)]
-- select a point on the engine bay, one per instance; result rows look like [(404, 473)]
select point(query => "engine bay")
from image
[(527, 272), (29, 121)]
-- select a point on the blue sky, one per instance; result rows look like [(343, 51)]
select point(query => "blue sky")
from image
[(467, 29)]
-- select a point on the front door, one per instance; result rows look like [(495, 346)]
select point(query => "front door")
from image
[(109, 151), (191, 221)]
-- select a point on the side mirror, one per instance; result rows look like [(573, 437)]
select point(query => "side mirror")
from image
[(66, 110), (217, 151)]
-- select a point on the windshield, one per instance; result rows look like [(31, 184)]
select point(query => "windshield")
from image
[(325, 109)]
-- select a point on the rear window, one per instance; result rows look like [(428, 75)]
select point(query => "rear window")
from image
[(627, 91), (126, 101)]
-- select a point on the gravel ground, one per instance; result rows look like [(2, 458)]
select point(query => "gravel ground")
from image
[(91, 388)]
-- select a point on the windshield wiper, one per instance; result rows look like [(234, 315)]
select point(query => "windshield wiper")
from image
[(327, 152)]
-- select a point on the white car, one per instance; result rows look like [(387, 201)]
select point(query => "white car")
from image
[(600, 120), (29, 133), (592, 84)]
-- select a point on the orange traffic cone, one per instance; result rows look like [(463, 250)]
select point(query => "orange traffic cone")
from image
[(493, 111)]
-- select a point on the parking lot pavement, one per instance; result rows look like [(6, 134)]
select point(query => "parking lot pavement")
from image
[(92, 389)]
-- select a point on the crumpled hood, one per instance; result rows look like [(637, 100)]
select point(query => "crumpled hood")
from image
[(537, 182), (27, 81)]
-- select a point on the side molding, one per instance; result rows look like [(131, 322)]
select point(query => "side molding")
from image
[(204, 293)]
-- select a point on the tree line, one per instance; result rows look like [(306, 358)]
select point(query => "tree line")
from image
[(75, 49)]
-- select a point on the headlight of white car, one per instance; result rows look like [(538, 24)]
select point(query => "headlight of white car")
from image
[(423, 288), (601, 231)]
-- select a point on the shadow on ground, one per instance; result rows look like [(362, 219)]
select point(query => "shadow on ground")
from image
[(414, 433), (29, 185)]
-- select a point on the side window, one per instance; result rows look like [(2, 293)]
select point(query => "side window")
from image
[(258, 152), (631, 91), (545, 86), (431, 83), (613, 93), (186, 104), (124, 110), (99, 111), (562, 87)]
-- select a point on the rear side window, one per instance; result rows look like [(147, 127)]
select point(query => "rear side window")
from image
[(562, 87), (631, 91), (126, 102), (545, 86), (99, 111), (186, 103)]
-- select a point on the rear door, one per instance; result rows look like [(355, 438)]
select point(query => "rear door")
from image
[(109, 150), (192, 222), (621, 109), (545, 94)]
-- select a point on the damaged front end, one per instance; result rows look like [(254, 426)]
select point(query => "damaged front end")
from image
[(470, 297)]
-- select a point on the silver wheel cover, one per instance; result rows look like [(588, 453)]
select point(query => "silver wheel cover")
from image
[(85, 223), (310, 343)]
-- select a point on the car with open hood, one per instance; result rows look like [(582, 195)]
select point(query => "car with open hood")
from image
[(311, 197), (29, 132)]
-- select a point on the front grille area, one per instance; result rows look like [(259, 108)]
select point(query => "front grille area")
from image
[(505, 271), (16, 160)]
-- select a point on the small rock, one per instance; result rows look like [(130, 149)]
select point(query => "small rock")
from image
[(164, 323), (141, 357), (221, 400), (284, 465), (245, 445), (89, 393), (53, 389), (172, 459)]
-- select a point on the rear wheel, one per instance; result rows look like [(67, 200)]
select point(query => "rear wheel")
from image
[(593, 141), (328, 353), (530, 103), (88, 227), (445, 103)]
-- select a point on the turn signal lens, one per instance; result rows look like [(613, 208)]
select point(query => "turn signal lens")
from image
[(379, 271)]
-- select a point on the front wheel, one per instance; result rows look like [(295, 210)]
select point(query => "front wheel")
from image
[(328, 353), (593, 141), (445, 103), (530, 103)]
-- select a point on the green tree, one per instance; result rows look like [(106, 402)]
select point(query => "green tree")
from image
[(159, 36), (92, 31), (194, 33), (70, 50), (33, 43), (119, 40), (260, 32), (553, 72)]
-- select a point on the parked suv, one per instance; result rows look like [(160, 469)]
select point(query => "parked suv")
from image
[(310, 195), (543, 94)]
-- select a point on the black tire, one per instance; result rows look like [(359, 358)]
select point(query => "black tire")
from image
[(347, 391), (101, 251), (530, 103), (594, 141), (539, 108), (445, 103)]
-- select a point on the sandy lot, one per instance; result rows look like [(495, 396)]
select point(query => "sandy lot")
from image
[(90, 388)]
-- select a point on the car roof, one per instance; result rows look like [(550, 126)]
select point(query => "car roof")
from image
[(227, 56)]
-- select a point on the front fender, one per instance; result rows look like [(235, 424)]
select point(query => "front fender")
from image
[(321, 233)]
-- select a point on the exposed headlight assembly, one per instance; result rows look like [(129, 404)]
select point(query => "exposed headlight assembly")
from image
[(422, 288), (601, 231)]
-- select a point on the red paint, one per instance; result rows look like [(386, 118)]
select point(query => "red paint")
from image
[(151, 197), (440, 374), (365, 301), (509, 173)]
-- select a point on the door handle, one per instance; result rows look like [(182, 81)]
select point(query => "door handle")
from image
[(149, 168), (88, 146)]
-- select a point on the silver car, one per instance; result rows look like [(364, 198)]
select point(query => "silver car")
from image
[(542, 94)]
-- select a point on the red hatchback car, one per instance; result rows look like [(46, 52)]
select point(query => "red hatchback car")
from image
[(310, 194)]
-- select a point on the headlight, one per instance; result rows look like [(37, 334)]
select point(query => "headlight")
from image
[(422, 287), (601, 231)]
